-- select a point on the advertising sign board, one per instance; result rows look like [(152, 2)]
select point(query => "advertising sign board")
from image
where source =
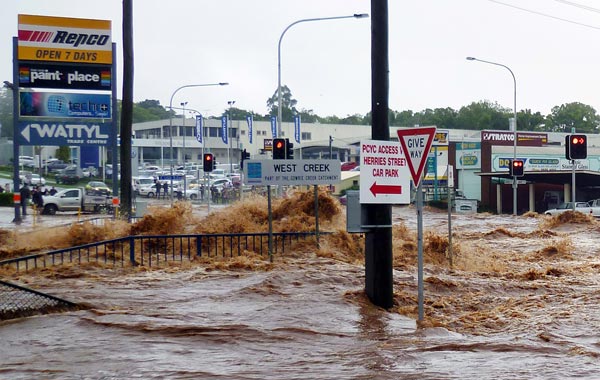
[(64, 76), (58, 133), (62, 39), (292, 172), (64, 105)]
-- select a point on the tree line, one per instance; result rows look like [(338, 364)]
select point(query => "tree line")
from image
[(475, 116)]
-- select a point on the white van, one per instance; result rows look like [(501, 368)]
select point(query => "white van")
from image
[(138, 182)]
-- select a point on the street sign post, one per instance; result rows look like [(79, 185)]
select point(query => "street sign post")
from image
[(384, 175), (416, 143)]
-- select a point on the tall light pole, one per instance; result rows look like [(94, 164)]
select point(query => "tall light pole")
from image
[(279, 106), (515, 184), (230, 103), (171, 121), (183, 104)]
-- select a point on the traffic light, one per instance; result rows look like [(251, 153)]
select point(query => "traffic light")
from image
[(577, 148), (279, 149), (209, 162), (516, 168), (289, 154), (245, 156)]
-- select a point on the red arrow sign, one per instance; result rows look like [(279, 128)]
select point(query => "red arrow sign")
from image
[(385, 189)]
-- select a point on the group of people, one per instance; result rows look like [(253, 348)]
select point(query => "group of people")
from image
[(36, 195), (161, 186)]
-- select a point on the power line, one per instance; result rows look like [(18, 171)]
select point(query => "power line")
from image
[(581, 6), (545, 15)]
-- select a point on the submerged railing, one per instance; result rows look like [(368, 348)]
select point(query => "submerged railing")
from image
[(155, 250)]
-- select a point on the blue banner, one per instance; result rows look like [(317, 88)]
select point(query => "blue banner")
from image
[(199, 128), (274, 126), (224, 129), (250, 120), (297, 128), (64, 105), (60, 133)]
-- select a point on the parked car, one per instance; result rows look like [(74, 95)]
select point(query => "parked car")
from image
[(27, 161), (56, 166), (583, 207), (70, 174), (97, 188), (35, 179)]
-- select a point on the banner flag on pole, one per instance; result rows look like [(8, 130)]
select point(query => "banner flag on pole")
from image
[(297, 128), (274, 126), (249, 119), (224, 128), (199, 127)]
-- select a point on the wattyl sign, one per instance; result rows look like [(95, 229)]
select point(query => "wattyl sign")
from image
[(65, 76), (46, 133), (64, 105), (63, 39)]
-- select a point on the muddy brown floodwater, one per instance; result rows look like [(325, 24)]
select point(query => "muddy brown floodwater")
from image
[(521, 301)]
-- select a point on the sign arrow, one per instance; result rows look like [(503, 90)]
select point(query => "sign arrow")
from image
[(25, 133), (385, 189)]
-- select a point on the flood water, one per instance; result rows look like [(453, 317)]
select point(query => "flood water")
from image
[(521, 301)]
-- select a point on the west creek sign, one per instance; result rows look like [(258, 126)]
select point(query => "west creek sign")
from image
[(292, 172)]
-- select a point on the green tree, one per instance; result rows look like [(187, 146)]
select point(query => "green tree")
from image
[(528, 121), (483, 115), (63, 153), (288, 109), (573, 115), (6, 112)]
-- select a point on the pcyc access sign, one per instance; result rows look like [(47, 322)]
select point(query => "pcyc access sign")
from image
[(384, 176)]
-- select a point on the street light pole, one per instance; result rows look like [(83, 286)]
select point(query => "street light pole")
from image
[(183, 104), (230, 103), (515, 184), (171, 121), (279, 106)]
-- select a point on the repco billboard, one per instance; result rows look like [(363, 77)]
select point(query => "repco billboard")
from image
[(508, 138), (62, 39), (80, 77)]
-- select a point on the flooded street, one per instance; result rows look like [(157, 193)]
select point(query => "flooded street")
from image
[(521, 301)]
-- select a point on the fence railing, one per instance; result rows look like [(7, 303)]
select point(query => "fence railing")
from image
[(155, 250), (17, 301)]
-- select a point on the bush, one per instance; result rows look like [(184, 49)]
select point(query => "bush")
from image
[(6, 199)]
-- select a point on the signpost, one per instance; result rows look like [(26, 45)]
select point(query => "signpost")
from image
[(416, 144), (291, 173)]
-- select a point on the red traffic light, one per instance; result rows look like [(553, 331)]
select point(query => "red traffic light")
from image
[(517, 164), (577, 140), (279, 145)]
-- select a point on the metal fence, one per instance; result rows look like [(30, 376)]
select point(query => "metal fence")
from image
[(156, 250), (17, 301)]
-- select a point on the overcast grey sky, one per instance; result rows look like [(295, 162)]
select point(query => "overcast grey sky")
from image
[(326, 64)]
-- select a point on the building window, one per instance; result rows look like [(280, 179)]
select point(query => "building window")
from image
[(306, 136)]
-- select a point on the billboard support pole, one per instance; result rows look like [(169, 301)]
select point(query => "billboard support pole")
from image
[(15, 93)]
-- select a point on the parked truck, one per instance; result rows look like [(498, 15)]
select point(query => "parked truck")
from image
[(76, 200), (591, 208)]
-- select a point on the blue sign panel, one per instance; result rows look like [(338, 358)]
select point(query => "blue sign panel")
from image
[(64, 105), (61, 133)]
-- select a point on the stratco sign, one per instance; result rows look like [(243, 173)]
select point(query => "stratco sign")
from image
[(65, 76), (508, 138), (61, 39)]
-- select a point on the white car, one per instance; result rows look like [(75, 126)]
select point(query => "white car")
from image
[(26, 161), (35, 179), (568, 206)]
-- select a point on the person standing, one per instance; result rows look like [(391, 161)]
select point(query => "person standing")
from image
[(158, 186), (37, 199), (165, 189), (25, 195)]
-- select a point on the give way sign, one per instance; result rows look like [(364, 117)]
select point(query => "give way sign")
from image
[(416, 144)]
